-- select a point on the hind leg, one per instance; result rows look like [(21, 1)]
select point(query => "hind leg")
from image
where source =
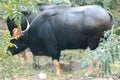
[(93, 41)]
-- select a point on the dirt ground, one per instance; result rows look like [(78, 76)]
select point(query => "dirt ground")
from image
[(69, 77), (47, 71), (60, 77)]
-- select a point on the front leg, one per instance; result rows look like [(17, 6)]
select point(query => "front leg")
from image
[(54, 52), (56, 66)]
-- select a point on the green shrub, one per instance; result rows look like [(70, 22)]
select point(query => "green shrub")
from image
[(106, 54), (10, 66), (3, 43), (62, 2)]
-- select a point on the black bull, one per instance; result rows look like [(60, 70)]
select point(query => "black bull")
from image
[(62, 28)]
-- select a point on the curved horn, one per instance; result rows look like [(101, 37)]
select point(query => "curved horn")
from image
[(28, 25)]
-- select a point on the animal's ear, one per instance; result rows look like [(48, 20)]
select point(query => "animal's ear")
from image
[(16, 31)]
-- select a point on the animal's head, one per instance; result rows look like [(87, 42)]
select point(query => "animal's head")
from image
[(14, 29), (19, 39)]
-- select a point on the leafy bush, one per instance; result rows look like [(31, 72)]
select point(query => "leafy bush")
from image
[(9, 66), (107, 4), (106, 54), (3, 43), (7, 62), (12, 8), (81, 2), (63, 2), (73, 54)]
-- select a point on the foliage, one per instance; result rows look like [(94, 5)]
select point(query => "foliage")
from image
[(6, 69), (9, 66), (73, 54), (3, 43), (115, 68), (81, 2), (12, 8), (106, 54), (108, 4), (63, 2)]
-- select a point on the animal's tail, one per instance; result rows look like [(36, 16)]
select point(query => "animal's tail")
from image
[(107, 34), (112, 20)]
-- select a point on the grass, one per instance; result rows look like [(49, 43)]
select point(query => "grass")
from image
[(18, 69), (14, 67)]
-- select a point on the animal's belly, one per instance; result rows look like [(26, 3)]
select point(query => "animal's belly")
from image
[(73, 42)]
